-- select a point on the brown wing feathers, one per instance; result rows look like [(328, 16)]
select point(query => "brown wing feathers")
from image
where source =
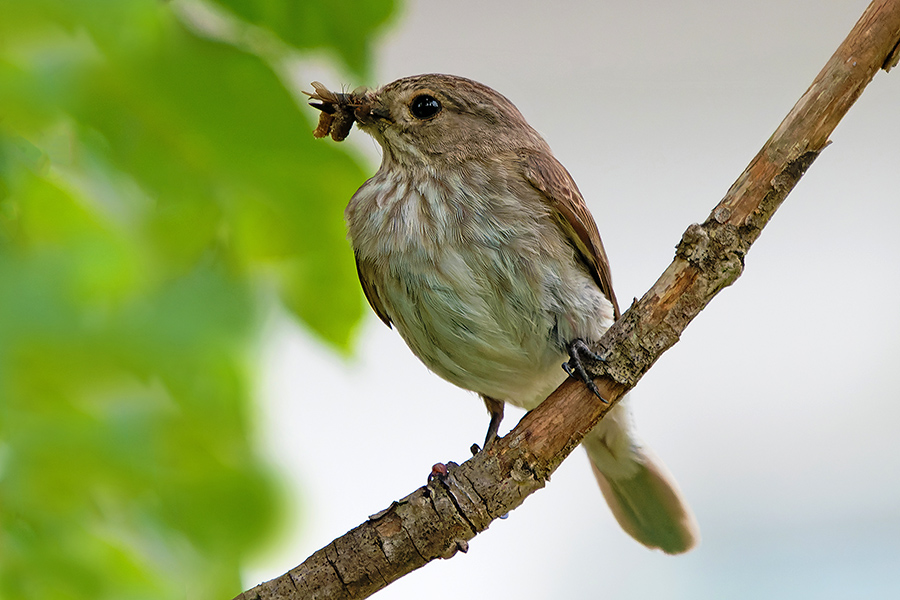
[(552, 180)]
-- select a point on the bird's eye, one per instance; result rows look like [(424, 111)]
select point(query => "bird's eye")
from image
[(424, 107)]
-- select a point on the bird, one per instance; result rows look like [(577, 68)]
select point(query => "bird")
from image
[(474, 242)]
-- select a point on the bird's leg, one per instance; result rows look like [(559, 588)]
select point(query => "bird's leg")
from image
[(578, 351), (495, 408)]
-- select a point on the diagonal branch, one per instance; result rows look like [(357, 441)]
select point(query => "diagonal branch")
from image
[(438, 519)]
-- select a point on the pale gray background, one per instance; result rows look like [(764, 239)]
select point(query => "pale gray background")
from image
[(777, 411)]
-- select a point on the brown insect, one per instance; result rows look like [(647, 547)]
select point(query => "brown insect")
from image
[(337, 110)]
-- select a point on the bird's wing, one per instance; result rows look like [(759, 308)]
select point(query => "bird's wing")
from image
[(558, 189), (371, 292)]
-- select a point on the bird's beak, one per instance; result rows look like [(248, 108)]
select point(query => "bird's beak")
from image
[(365, 110), (369, 109)]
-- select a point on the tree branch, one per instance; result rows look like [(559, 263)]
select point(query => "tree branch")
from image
[(438, 519)]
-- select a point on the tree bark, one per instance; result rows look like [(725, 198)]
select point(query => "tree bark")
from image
[(437, 520)]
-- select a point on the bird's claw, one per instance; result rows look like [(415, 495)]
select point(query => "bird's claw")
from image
[(575, 367)]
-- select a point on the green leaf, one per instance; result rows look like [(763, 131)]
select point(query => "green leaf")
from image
[(347, 27), (213, 165), (151, 183), (123, 420)]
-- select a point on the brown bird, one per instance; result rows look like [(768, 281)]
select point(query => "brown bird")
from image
[(476, 244)]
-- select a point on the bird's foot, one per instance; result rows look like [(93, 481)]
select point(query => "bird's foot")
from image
[(578, 351)]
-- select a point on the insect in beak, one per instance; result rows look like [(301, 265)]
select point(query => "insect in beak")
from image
[(341, 110)]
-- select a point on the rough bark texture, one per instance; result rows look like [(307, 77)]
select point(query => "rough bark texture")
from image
[(437, 520)]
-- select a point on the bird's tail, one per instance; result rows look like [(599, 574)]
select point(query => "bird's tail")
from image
[(637, 486)]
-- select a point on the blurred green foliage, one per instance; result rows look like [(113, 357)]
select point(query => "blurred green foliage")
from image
[(153, 183)]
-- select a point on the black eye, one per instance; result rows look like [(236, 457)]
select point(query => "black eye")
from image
[(424, 107)]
